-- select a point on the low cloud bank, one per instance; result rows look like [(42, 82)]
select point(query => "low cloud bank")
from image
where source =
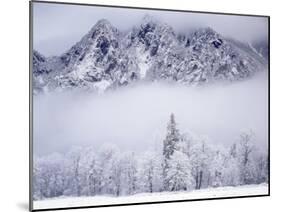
[(136, 118)]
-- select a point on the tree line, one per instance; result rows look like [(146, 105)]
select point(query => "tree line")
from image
[(186, 162)]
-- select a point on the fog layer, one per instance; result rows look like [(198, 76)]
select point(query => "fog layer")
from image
[(135, 118)]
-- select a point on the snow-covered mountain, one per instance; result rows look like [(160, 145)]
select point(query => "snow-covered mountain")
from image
[(261, 47), (106, 58)]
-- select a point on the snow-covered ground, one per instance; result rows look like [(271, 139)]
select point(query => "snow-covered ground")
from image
[(64, 202)]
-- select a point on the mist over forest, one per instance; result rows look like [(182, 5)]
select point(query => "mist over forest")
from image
[(135, 118)]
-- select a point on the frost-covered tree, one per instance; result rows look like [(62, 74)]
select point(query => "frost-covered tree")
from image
[(94, 178), (261, 168), (231, 175), (200, 161), (179, 176), (187, 162), (93, 175), (111, 170), (186, 144), (246, 157), (73, 172), (49, 176), (114, 180), (129, 173), (217, 169), (150, 174)]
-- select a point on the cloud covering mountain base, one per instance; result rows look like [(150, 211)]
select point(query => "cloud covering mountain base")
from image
[(136, 118)]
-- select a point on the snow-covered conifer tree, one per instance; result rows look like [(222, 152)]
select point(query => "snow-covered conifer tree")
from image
[(172, 138), (169, 146)]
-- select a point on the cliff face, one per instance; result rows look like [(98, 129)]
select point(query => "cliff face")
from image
[(106, 58)]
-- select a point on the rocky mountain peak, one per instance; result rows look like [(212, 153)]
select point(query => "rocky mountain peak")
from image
[(103, 27), (105, 58)]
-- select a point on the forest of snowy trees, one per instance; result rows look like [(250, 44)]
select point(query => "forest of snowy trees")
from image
[(186, 162)]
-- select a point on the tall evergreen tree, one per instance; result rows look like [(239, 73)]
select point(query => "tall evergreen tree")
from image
[(169, 147), (172, 138)]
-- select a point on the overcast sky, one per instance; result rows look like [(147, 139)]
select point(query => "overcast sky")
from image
[(58, 26)]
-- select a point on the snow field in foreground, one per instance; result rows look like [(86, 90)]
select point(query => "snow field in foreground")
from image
[(64, 202)]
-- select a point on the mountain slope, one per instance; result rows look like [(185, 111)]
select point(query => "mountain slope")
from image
[(105, 58)]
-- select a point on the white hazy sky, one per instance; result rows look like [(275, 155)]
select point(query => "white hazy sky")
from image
[(58, 26)]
